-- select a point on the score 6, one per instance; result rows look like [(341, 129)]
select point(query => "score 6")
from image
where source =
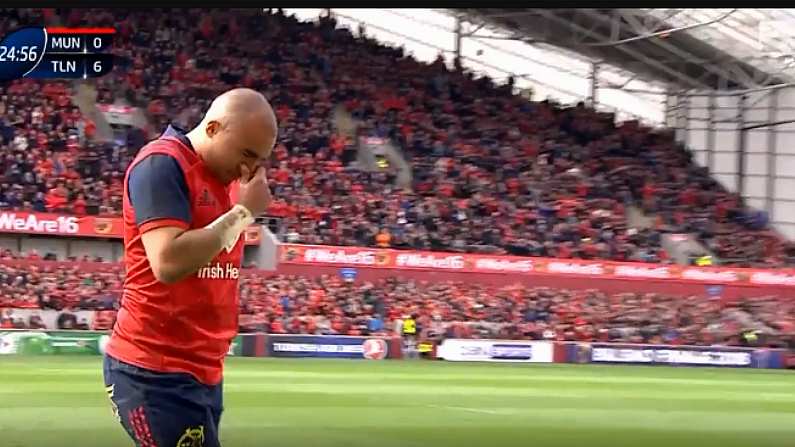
[(98, 65)]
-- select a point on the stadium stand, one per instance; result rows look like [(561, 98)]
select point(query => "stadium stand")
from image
[(492, 172)]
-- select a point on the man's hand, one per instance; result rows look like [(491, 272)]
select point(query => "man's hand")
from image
[(255, 194), (175, 253)]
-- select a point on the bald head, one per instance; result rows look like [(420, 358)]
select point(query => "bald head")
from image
[(238, 128), (241, 104)]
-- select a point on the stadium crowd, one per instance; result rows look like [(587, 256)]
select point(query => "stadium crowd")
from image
[(492, 172), (331, 305)]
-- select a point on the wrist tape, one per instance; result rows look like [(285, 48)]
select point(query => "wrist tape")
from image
[(231, 224)]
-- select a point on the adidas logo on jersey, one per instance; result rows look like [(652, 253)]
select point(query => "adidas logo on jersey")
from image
[(205, 199)]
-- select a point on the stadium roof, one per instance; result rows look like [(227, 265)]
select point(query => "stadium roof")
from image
[(687, 49)]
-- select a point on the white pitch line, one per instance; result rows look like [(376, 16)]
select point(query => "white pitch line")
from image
[(471, 410)]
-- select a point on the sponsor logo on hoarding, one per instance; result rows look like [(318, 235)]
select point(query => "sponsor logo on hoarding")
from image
[(518, 265), (34, 224), (327, 346), (15, 342), (576, 269), (374, 349), (709, 275), (454, 262), (382, 258), (53, 342), (642, 272), (495, 351), (291, 253), (348, 274), (503, 265), (316, 347), (65, 225), (473, 351), (341, 256), (9, 342), (671, 356), (715, 290), (103, 226), (772, 278), (516, 352)]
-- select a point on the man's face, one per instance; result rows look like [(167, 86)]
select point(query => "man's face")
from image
[(236, 144)]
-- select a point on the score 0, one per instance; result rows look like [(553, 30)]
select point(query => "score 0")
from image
[(96, 43)]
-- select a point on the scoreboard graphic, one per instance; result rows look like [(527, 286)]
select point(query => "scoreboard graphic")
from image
[(56, 53)]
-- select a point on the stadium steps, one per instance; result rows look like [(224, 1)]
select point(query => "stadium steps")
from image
[(680, 246), (366, 160), (84, 96), (638, 219), (344, 123)]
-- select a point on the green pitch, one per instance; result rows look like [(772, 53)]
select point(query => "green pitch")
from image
[(60, 401)]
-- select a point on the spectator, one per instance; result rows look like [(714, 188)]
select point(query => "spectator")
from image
[(35, 322), (383, 238), (67, 320)]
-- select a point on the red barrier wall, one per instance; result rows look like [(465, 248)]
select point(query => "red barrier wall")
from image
[(608, 285)]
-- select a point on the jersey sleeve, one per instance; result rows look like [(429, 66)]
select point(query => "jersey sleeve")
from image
[(159, 193)]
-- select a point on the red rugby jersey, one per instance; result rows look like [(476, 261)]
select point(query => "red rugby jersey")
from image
[(186, 326)]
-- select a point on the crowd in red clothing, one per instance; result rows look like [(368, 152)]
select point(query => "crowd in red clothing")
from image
[(46, 286), (331, 305), (44, 166), (492, 172)]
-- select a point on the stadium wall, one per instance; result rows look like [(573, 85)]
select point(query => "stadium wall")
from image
[(747, 141), (63, 248), (372, 264), (723, 283), (66, 235), (553, 281)]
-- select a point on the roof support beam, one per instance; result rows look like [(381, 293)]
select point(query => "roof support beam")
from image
[(591, 29), (761, 66), (648, 19), (687, 80), (613, 85), (644, 33), (623, 71), (471, 32), (615, 26), (745, 80), (763, 74), (509, 15), (741, 75)]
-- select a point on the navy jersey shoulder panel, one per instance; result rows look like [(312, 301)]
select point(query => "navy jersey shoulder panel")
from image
[(157, 190), (174, 131)]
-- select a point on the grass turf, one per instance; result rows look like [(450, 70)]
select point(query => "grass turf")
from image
[(60, 401)]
